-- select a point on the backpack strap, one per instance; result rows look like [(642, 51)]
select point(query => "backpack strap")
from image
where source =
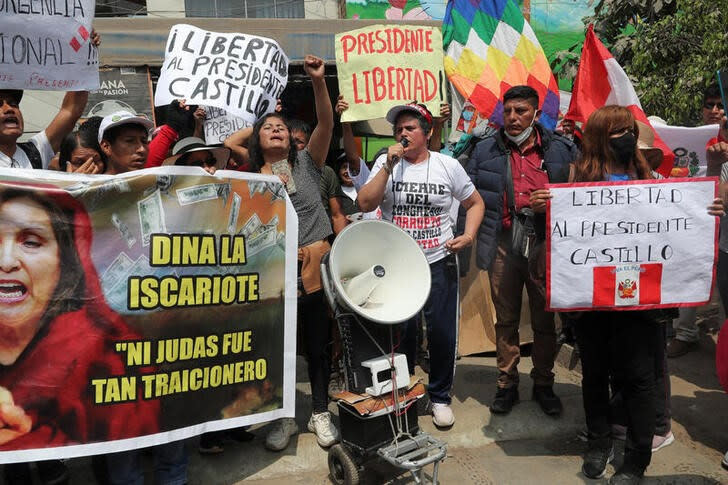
[(33, 154)]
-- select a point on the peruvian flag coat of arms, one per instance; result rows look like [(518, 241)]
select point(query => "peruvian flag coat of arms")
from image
[(627, 285)]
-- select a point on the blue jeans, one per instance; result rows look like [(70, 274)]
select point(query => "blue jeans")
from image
[(170, 465), (441, 318)]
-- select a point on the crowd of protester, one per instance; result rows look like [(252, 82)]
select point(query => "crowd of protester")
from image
[(498, 184)]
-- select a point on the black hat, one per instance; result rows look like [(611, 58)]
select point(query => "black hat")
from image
[(15, 93)]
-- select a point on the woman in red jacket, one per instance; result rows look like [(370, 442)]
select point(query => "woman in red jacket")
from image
[(57, 332)]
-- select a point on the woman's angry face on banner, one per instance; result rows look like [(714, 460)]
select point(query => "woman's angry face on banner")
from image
[(29, 273)]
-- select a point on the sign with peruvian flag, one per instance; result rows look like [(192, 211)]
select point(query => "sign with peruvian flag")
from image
[(601, 81), (630, 245)]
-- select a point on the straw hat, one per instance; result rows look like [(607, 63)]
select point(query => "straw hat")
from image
[(646, 144), (194, 144)]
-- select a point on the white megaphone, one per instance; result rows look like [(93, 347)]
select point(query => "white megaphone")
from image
[(378, 271)]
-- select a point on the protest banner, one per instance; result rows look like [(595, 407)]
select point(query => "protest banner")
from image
[(243, 74), (121, 88), (688, 145), (630, 245), (47, 46), (219, 124), (383, 65), (150, 307)]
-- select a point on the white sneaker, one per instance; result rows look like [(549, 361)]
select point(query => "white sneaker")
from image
[(659, 442), (280, 434), (724, 462), (442, 415), (326, 432)]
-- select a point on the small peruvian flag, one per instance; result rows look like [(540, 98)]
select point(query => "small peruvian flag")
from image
[(627, 285)]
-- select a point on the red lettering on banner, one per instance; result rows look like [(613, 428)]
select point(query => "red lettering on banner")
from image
[(395, 83), (362, 40), (398, 42), (357, 99), (390, 41), (430, 82), (380, 90), (347, 45), (382, 41)]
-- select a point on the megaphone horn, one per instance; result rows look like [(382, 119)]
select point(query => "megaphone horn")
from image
[(378, 271)]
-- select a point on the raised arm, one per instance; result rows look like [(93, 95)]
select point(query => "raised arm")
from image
[(347, 134), (71, 110), (238, 145), (318, 145), (436, 139), (74, 102)]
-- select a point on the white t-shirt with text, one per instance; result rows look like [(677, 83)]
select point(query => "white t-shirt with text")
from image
[(419, 196)]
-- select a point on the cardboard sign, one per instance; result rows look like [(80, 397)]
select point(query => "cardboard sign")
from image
[(688, 145), (163, 308), (47, 46), (219, 124), (385, 65), (243, 74), (630, 245)]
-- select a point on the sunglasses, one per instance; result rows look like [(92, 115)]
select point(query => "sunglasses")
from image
[(713, 105), (207, 161), (621, 131)]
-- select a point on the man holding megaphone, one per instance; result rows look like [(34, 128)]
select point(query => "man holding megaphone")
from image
[(416, 189)]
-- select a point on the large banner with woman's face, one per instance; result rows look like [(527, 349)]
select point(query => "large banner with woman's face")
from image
[(142, 308)]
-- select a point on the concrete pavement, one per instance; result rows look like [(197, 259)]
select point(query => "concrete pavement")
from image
[(524, 447)]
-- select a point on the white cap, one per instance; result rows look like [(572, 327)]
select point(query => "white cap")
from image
[(122, 118)]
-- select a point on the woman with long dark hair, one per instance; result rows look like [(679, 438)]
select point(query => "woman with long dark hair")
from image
[(273, 150), (618, 346)]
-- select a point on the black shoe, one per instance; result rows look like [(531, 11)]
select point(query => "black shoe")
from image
[(566, 336), (241, 435), (549, 402), (504, 400), (600, 452), (625, 476), (53, 472), (212, 443)]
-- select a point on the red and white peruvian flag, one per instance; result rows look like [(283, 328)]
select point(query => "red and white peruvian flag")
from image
[(627, 285), (600, 81)]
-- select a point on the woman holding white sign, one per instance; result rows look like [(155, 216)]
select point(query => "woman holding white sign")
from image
[(618, 346)]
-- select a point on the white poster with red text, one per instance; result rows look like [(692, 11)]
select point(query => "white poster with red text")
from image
[(47, 46), (630, 245)]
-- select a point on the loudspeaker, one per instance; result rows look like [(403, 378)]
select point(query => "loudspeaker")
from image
[(378, 271), (374, 277)]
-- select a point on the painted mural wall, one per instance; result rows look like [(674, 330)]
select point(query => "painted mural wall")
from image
[(557, 23)]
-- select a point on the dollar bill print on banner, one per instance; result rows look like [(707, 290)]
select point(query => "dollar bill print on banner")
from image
[(630, 245), (47, 46), (381, 66), (240, 73), (152, 320)]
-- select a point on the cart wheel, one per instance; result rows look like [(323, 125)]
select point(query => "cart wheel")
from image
[(342, 467)]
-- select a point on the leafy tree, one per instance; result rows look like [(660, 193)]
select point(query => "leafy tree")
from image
[(671, 49)]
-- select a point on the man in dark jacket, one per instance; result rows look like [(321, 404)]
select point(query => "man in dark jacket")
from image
[(510, 170)]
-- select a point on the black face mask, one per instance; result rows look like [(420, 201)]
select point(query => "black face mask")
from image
[(623, 147)]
